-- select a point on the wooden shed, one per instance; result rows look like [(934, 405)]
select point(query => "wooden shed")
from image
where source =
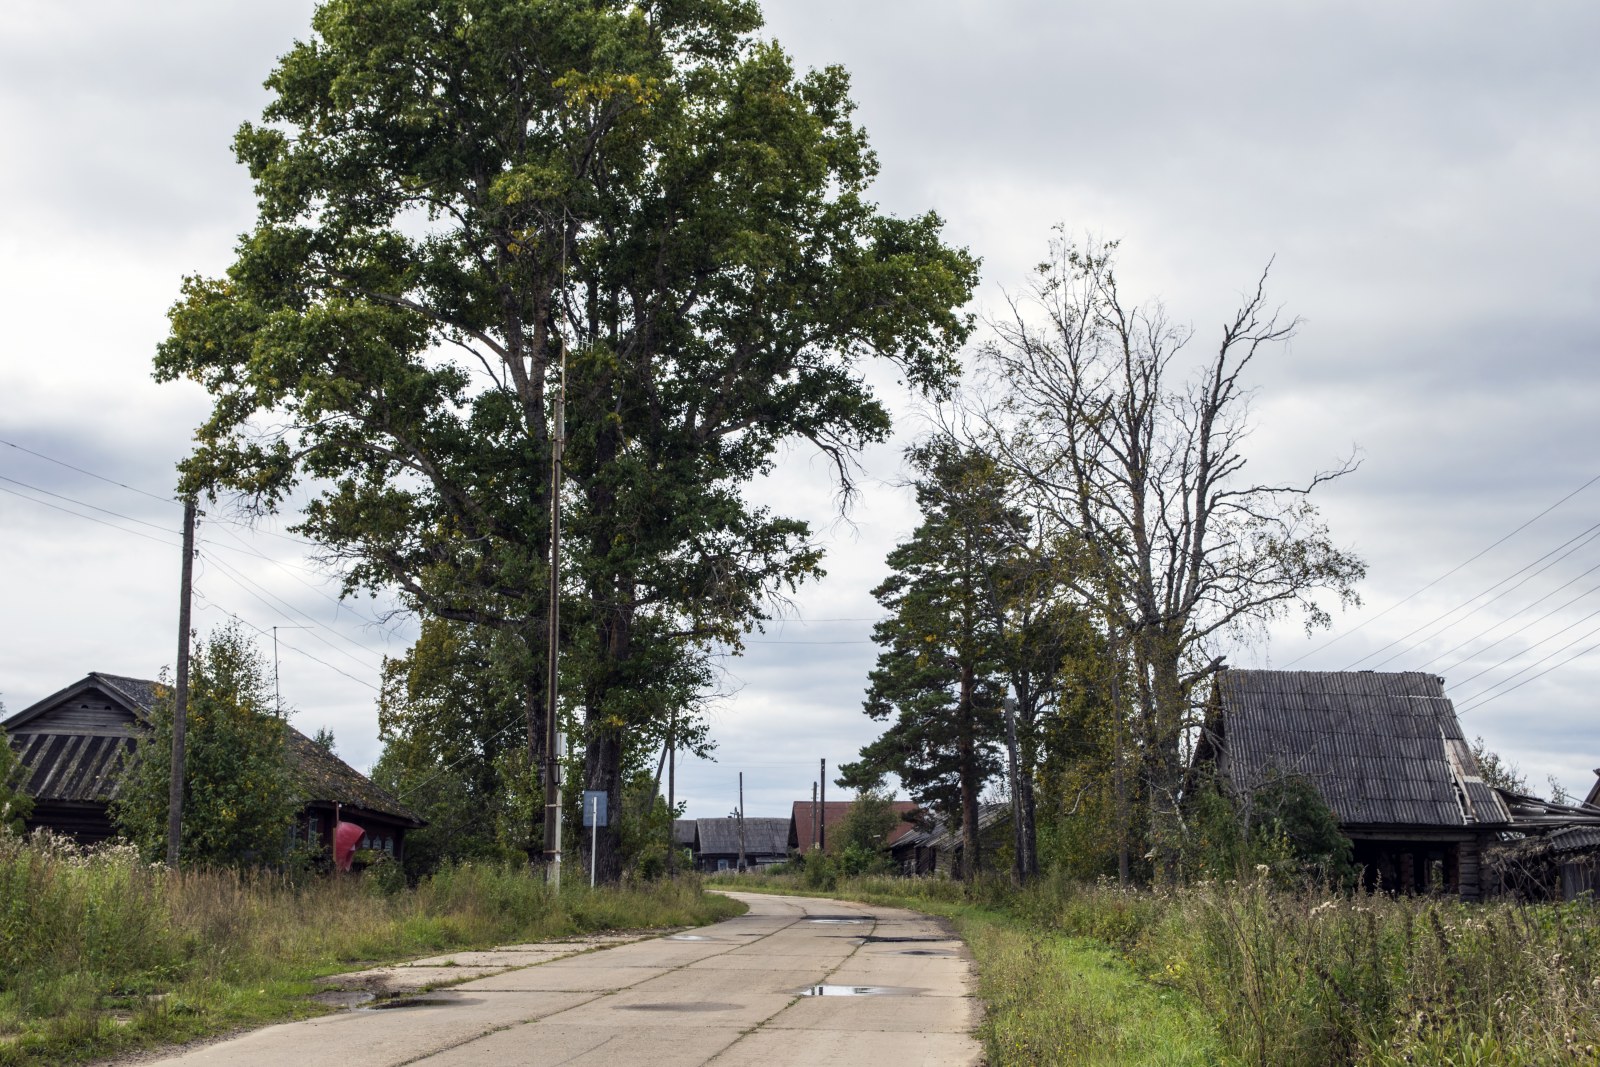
[(1384, 751), (717, 843), (74, 746)]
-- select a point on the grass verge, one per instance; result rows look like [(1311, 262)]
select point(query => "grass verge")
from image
[(100, 954), (1049, 997)]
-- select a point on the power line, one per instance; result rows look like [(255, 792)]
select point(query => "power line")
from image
[(92, 474), (91, 518), (1478, 700), (1521, 629), (261, 594), (1533, 646), (1372, 619), (85, 504), (292, 648), (336, 601), (1585, 537)]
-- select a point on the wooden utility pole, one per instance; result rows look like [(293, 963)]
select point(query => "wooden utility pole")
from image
[(180, 707), (742, 861), (814, 810), (552, 733), (672, 800), (822, 809)]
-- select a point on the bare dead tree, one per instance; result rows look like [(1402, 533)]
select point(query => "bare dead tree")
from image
[(1142, 470)]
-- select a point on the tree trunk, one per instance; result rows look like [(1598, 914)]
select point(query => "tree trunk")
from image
[(968, 759)]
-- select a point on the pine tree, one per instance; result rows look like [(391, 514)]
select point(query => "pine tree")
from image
[(941, 675)]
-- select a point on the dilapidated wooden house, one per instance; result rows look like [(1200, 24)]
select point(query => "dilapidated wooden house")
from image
[(1383, 750), (74, 748), (814, 824), (716, 843)]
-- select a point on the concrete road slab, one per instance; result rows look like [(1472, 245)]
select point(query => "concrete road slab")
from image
[(719, 984), (501, 958), (552, 1043), (727, 999), (900, 1015), (370, 1038), (764, 1048), (686, 1007), (554, 979), (387, 980)]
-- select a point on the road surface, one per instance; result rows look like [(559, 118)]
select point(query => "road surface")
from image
[(896, 991)]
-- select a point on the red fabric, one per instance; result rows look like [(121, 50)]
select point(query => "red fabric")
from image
[(346, 836)]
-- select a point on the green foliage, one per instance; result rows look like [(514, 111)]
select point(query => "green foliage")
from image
[(238, 794), (15, 805), (101, 952), (1498, 773), (1283, 827), (453, 196), (939, 676)]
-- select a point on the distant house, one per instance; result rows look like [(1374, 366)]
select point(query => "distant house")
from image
[(1384, 751), (74, 748), (940, 849), (717, 846), (804, 831)]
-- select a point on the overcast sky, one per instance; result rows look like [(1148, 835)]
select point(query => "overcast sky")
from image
[(1424, 175)]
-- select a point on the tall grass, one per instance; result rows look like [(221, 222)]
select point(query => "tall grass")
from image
[(1291, 978), (99, 950)]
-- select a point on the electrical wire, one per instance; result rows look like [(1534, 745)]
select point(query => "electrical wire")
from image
[(1583, 538), (1521, 629), (262, 594), (215, 605), (91, 518), (92, 474), (1478, 700), (1397, 604), (86, 504)]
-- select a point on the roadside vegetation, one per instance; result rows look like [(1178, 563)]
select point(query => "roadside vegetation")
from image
[(100, 952), (1245, 971)]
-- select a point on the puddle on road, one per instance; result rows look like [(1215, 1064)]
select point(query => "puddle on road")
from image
[(857, 991), (926, 952), (840, 920), (874, 939), (690, 937)]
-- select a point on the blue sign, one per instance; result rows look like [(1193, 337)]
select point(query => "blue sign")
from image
[(594, 807)]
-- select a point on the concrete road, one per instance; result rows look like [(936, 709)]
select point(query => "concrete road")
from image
[(796, 981)]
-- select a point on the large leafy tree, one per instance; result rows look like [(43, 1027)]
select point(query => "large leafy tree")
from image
[(238, 793), (452, 195), (941, 675)]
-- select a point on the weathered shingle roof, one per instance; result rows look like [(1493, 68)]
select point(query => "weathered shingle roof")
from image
[(1381, 748), (683, 832), (69, 766), (762, 837)]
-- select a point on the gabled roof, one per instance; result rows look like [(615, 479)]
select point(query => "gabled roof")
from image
[(762, 837), (79, 767), (136, 696), (1383, 749), (938, 836), (834, 813), (683, 832)]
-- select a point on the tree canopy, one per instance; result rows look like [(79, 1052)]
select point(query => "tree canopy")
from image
[(451, 197), (238, 795)]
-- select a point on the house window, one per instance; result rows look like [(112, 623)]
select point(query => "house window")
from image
[(722, 865)]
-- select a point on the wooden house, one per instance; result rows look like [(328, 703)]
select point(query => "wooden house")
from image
[(716, 845), (75, 746), (1383, 750), (806, 830), (940, 849)]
